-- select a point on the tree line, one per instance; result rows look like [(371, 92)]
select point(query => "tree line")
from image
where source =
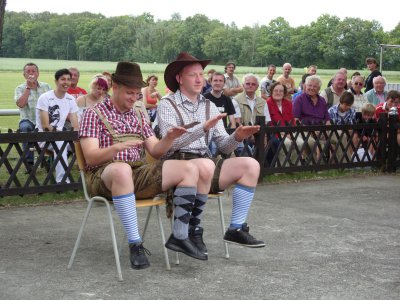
[(327, 42)]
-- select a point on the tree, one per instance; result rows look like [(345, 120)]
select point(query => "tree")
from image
[(2, 12)]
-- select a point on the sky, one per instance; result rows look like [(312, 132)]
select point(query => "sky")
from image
[(243, 13)]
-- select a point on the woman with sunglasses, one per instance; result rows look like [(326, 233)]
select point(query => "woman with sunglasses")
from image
[(357, 83)]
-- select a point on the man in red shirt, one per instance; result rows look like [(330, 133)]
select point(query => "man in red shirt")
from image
[(74, 89)]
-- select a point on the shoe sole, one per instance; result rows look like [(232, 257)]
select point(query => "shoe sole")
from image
[(245, 245), (176, 249), (139, 267)]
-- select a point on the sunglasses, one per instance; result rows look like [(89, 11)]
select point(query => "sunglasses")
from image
[(358, 83)]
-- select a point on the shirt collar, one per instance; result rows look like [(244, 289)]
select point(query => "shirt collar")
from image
[(180, 98)]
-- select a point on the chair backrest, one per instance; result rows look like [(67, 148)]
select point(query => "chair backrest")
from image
[(79, 155)]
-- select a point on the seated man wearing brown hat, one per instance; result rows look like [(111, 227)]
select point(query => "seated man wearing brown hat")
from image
[(186, 107), (113, 134)]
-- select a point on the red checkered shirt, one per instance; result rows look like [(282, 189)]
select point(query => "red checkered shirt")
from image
[(122, 123)]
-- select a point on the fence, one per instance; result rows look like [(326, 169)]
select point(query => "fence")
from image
[(18, 177), (277, 148)]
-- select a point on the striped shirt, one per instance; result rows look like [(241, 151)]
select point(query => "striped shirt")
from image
[(122, 123), (194, 141)]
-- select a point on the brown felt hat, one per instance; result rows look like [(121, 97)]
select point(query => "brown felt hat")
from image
[(184, 59), (128, 74)]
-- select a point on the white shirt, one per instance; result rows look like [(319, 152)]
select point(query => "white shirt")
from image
[(57, 108)]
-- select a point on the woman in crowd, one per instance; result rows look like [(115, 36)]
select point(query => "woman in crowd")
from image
[(151, 96), (98, 89), (357, 83)]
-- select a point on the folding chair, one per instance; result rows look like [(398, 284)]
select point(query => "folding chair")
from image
[(139, 203), (217, 196)]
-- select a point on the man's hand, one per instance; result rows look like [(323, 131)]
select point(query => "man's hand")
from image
[(31, 81), (127, 144), (175, 132), (243, 132), (213, 121)]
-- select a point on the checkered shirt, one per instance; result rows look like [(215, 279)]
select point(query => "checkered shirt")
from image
[(122, 123), (194, 141)]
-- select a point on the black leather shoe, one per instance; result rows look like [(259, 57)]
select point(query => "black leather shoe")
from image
[(196, 236), (138, 256), (186, 247)]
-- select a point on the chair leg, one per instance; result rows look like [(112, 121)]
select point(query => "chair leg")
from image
[(221, 216), (167, 265), (172, 230), (78, 239), (114, 241), (147, 221)]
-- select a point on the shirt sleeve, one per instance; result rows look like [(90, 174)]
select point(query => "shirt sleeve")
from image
[(266, 114), (297, 108), (238, 114), (230, 109), (42, 104), (89, 126), (19, 90)]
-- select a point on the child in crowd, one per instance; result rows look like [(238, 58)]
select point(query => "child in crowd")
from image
[(362, 138)]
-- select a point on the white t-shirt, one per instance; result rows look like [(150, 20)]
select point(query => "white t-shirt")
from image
[(57, 108)]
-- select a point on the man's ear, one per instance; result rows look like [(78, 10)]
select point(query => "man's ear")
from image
[(178, 78)]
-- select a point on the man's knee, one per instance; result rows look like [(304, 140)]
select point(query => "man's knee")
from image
[(117, 172), (206, 168), (26, 126)]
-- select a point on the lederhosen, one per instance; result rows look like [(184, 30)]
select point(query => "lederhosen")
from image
[(147, 177), (180, 155)]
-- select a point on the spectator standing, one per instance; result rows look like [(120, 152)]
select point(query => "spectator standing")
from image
[(26, 97), (267, 81), (372, 65), (232, 84), (377, 94), (287, 80), (74, 90), (332, 94), (312, 70), (52, 110)]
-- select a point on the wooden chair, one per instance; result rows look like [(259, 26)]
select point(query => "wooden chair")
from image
[(139, 203)]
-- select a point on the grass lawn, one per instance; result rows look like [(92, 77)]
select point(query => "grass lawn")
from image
[(11, 77)]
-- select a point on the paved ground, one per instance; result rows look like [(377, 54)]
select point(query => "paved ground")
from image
[(332, 239)]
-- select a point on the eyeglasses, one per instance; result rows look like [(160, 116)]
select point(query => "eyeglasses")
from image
[(251, 84), (358, 83)]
